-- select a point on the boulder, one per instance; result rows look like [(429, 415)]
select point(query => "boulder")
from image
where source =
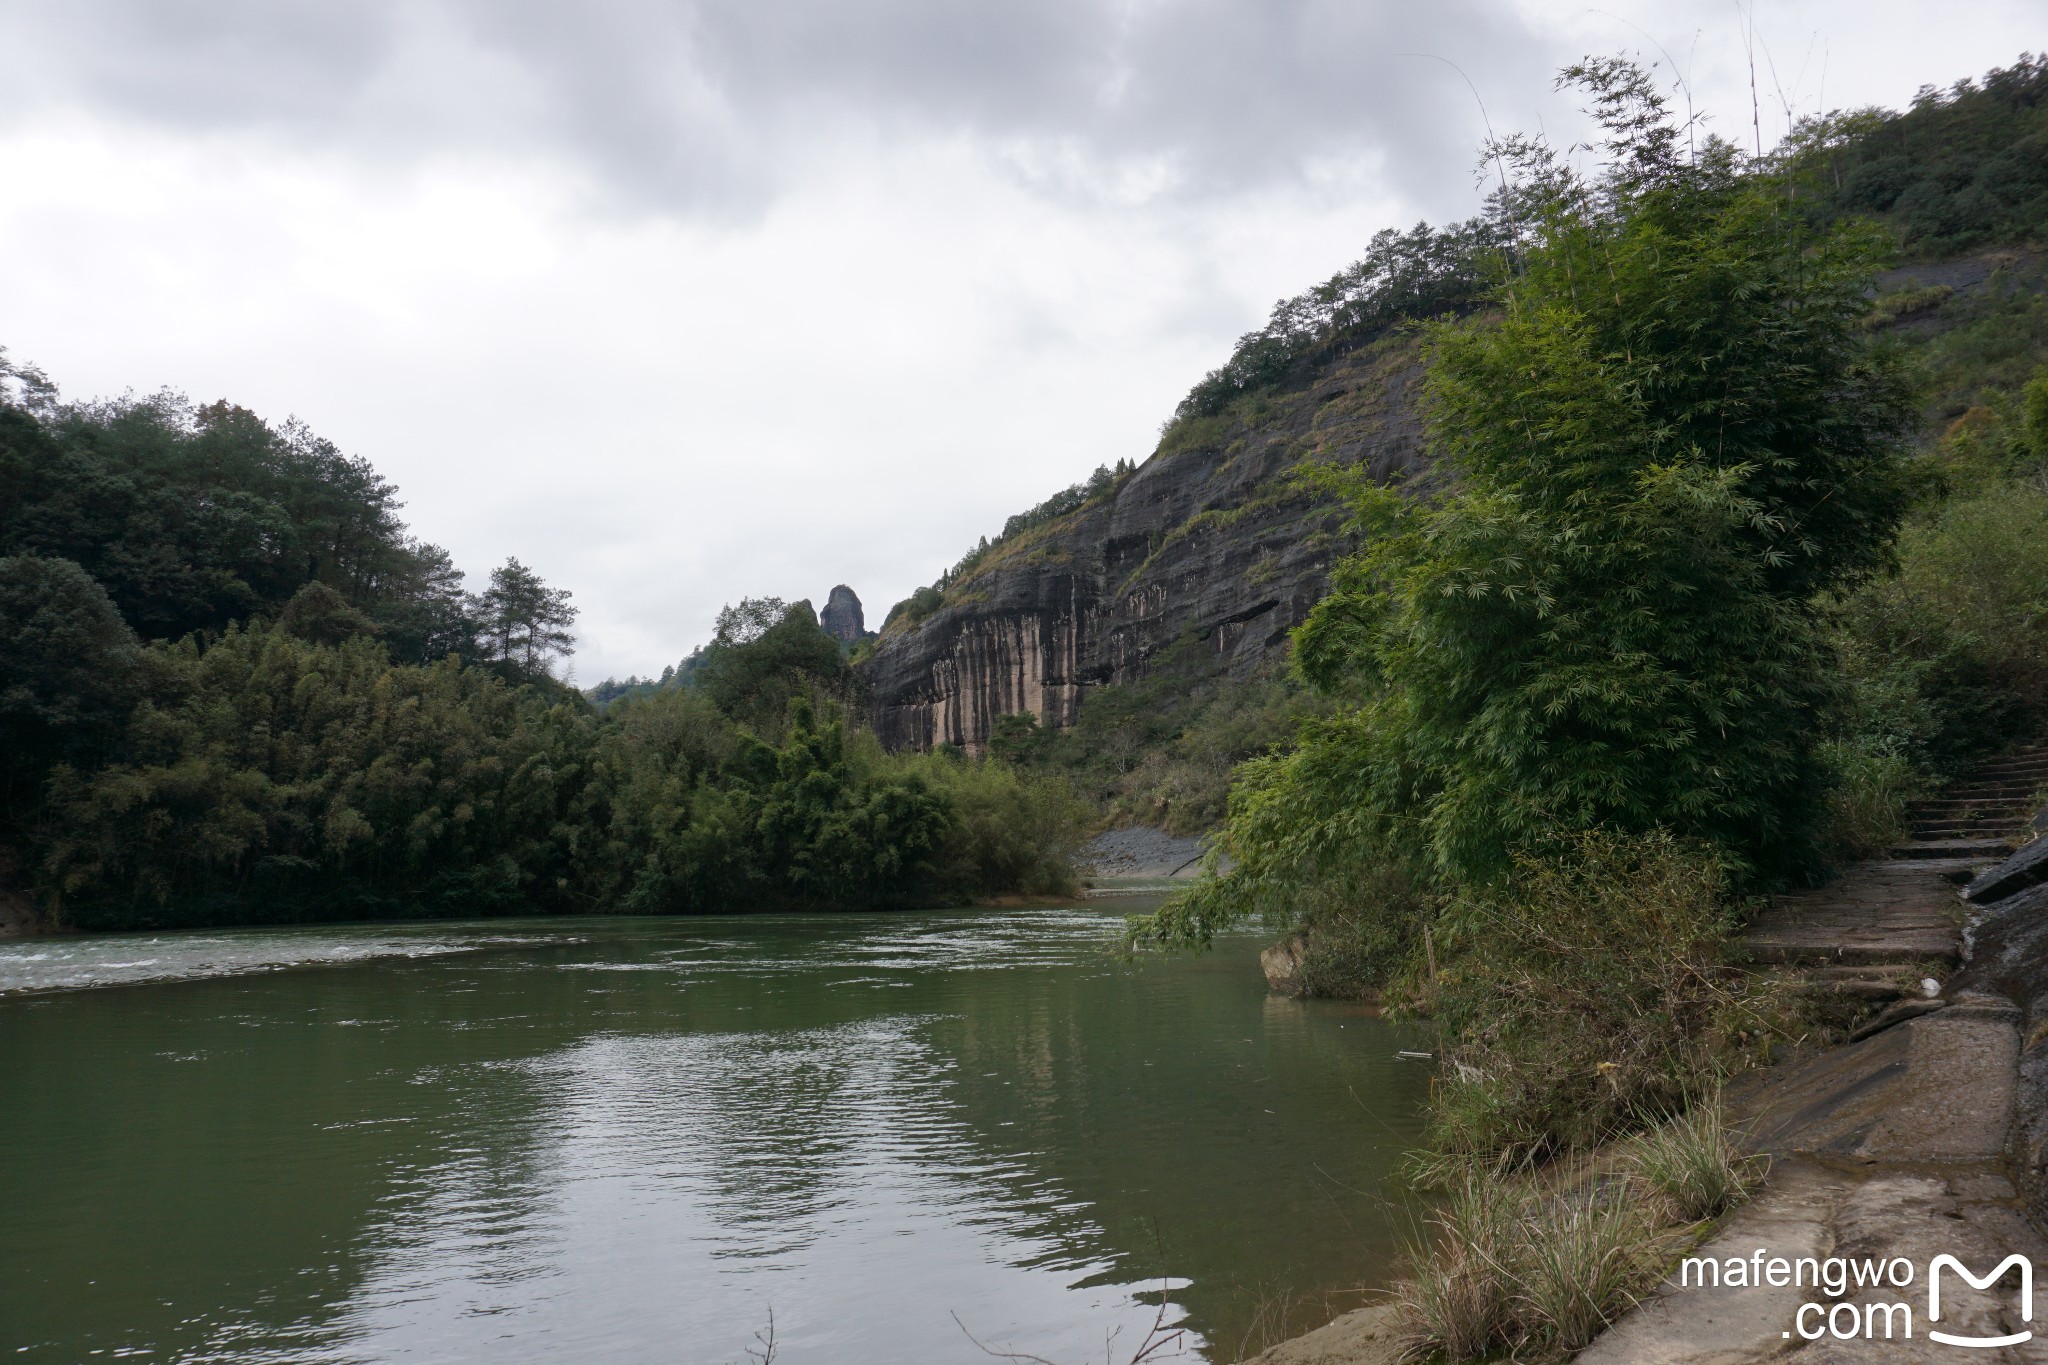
[(1282, 964), (2022, 870)]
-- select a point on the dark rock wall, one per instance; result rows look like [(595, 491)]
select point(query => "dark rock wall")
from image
[(1206, 537)]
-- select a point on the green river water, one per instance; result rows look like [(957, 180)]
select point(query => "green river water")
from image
[(634, 1140)]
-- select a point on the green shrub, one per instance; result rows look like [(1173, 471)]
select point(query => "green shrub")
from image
[(1359, 927), (1012, 831), (1614, 619), (1866, 804), (1945, 660), (1987, 342), (1974, 579), (1593, 987), (1900, 303), (913, 609), (1161, 750)]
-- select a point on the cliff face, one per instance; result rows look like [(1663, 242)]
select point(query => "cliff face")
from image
[(1205, 537)]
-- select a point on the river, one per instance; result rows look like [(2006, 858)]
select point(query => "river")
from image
[(618, 1140)]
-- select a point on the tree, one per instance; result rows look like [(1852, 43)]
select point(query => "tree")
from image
[(1016, 738), (1671, 441), (67, 674), (749, 621), (766, 655), (525, 622), (319, 614), (195, 517), (424, 613)]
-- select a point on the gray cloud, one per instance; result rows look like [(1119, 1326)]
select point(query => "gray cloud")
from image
[(710, 104)]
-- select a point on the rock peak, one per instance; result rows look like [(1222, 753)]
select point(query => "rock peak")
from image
[(841, 618)]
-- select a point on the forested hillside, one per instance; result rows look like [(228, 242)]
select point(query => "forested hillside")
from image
[(1135, 638), (234, 688), (1738, 541)]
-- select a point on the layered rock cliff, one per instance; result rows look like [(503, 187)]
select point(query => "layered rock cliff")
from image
[(1210, 537)]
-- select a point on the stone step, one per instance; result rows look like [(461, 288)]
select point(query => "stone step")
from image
[(2004, 819), (1977, 815), (1860, 973), (1860, 988), (1902, 951), (2019, 785), (2018, 799), (1949, 848), (1964, 829), (1999, 821), (1972, 793)]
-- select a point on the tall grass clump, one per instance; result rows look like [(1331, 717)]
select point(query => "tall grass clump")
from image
[(1693, 1164), (1535, 1267), (1458, 1300), (1536, 1260), (1583, 1265)]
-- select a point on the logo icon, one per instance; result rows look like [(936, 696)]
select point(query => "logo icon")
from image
[(2026, 1298)]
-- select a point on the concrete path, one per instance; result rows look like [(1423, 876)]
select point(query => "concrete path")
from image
[(1898, 1145), (1893, 1147)]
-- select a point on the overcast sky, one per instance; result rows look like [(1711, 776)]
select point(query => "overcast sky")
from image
[(685, 300)]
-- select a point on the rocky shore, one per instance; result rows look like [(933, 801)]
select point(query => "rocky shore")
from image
[(1142, 851)]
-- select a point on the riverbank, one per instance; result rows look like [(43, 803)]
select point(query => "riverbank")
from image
[(1922, 1135), (1142, 851)]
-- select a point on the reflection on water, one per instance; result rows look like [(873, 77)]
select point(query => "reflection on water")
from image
[(633, 1140)]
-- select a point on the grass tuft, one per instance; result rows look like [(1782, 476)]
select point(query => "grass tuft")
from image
[(1458, 1300), (1534, 1261), (1694, 1165), (1585, 1257)]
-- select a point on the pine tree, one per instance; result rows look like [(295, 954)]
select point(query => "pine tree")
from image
[(525, 622)]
